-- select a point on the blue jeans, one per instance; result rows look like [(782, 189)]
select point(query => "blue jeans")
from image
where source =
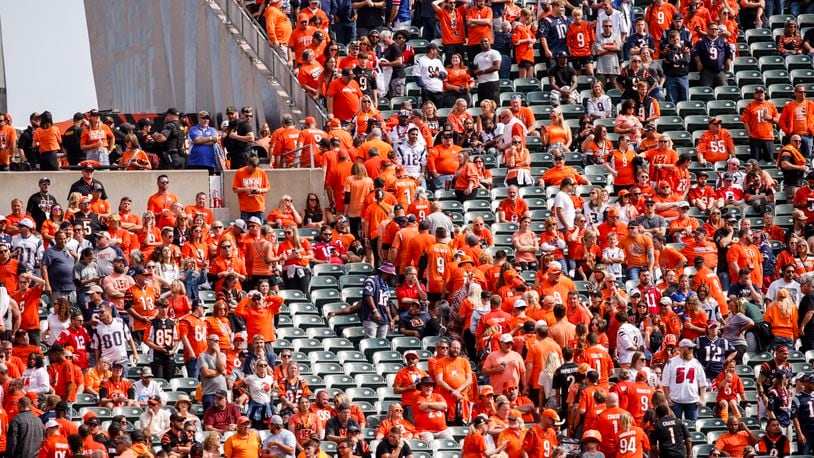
[(207, 400), (345, 31), (505, 71), (246, 215), (678, 88), (773, 7), (440, 181), (726, 282), (192, 368), (633, 273), (795, 9), (690, 411)]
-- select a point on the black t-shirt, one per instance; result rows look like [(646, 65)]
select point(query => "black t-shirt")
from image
[(241, 128), (39, 207), (147, 143), (369, 17), (564, 377), (562, 75), (392, 53), (71, 140), (364, 76), (738, 290), (669, 433), (334, 428), (82, 187), (722, 251), (386, 447), (806, 304)]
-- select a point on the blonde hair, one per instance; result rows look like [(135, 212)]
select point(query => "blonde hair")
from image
[(784, 302)]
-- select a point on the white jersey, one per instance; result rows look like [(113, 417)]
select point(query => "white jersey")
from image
[(684, 379), (29, 251), (628, 336), (412, 157), (111, 339), (5, 313), (429, 72)]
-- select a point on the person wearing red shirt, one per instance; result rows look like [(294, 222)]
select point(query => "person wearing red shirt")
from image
[(77, 337), (55, 445), (703, 196), (730, 195), (803, 200)]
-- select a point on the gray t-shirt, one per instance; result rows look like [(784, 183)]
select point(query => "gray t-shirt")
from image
[(651, 222), (210, 385), (284, 436), (730, 332)]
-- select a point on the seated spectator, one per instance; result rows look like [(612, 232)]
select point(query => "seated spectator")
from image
[(177, 442), (430, 414), (155, 419), (394, 445), (336, 429), (736, 439), (245, 441), (116, 391), (222, 416)]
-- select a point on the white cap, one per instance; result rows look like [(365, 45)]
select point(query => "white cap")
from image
[(520, 304), (540, 323), (255, 220), (506, 338), (665, 300), (27, 223), (687, 343), (51, 424)]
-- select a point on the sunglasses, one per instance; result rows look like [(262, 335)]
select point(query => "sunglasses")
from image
[(226, 246)]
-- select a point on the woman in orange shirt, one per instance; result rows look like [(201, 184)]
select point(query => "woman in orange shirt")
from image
[(523, 41), (620, 165), (285, 214), (357, 187), (518, 160), (458, 115), (466, 178), (458, 81), (51, 225), (695, 318), (49, 142), (133, 157), (597, 147), (782, 315), (475, 442), (218, 324), (484, 174), (730, 391), (150, 235), (558, 134), (395, 417), (296, 255), (329, 74)]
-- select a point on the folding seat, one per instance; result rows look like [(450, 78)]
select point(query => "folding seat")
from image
[(506, 87), (292, 295), (710, 424), (778, 21), (766, 63), (320, 297), (443, 194), (802, 76), (396, 102), (351, 294), (340, 323), (291, 333), (373, 381), (727, 93), (131, 413), (387, 356), (476, 205), (506, 97), (351, 356), (322, 282), (371, 345), (780, 91), (696, 123), (322, 356), (303, 308), (762, 49), (504, 228), (691, 108), (526, 85), (102, 413), (805, 20), (776, 77), (538, 98), (403, 344), (719, 107), (701, 93), (413, 89), (487, 215), (731, 121), (666, 123), (698, 438), (306, 345), (420, 46), (282, 344), (572, 111), (185, 384), (744, 63), (713, 436), (680, 137), (308, 321), (667, 108), (337, 344), (352, 280), (758, 36), (360, 394), (320, 333), (354, 368), (744, 77)]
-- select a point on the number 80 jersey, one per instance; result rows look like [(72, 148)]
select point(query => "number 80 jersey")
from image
[(111, 339)]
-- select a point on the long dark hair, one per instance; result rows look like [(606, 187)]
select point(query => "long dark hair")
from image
[(46, 120)]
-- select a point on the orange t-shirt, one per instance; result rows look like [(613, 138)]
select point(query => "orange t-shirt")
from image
[(538, 443), (359, 188), (733, 444), (194, 329), (49, 139), (599, 359), (468, 175), (406, 377), (346, 98), (580, 39), (284, 139), (61, 374), (659, 18), (443, 160), (513, 210), (301, 40), (746, 257), (452, 25), (756, 115), (373, 215), (417, 246), (636, 249), (54, 446), (523, 51), (305, 247), (714, 148), (260, 321), (475, 33), (278, 25), (474, 446), (639, 396), (101, 133), (157, 203), (8, 139), (623, 164)]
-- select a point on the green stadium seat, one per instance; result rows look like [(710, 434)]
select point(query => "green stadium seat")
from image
[(358, 367), (720, 107), (802, 76), (342, 322), (321, 297), (303, 308), (758, 36), (691, 108), (337, 344), (403, 344), (526, 85), (666, 123), (291, 333), (777, 21), (701, 94), (780, 91), (744, 63), (307, 321), (306, 345), (744, 77), (766, 63), (727, 93), (762, 49), (710, 424), (320, 333), (351, 356), (321, 356)]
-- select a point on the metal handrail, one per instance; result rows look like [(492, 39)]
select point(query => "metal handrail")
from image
[(276, 63)]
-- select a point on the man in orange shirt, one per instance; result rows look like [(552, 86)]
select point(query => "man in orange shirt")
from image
[(513, 207), (438, 256), (8, 141), (406, 382), (736, 438), (706, 276), (301, 39), (309, 138), (554, 175), (442, 162), (716, 144), (451, 18), (251, 184), (161, 202), (454, 377), (54, 445), (61, 373), (700, 246), (536, 355), (804, 198), (192, 330), (638, 249), (278, 27), (139, 301), (284, 140), (428, 409), (598, 358), (580, 38), (259, 314), (745, 255), (759, 118), (541, 439), (344, 96), (797, 117), (659, 15), (478, 26)]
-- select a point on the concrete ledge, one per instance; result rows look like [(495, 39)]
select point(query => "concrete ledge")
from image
[(140, 185)]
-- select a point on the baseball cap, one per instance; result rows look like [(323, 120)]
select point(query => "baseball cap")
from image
[(310, 120), (509, 384), (45, 180), (486, 390), (243, 419), (276, 420), (221, 393), (411, 353), (687, 343), (712, 324), (552, 414), (90, 417), (554, 267), (26, 223), (718, 121), (173, 111), (665, 300), (388, 268), (51, 424), (240, 224), (480, 419), (760, 89), (255, 220), (520, 304), (729, 177), (506, 338), (346, 72)]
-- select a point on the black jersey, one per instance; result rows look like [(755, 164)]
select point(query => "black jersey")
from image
[(564, 377), (670, 433), (367, 83), (802, 408), (164, 333)]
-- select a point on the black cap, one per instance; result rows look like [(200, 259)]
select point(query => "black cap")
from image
[(173, 111), (78, 116), (221, 393), (56, 348), (136, 436), (426, 381), (318, 35), (93, 112), (346, 72), (61, 406)]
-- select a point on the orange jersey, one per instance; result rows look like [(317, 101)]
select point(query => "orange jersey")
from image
[(804, 200), (598, 358), (657, 156), (757, 117), (300, 40), (623, 164), (632, 443), (475, 33), (658, 19), (715, 148), (523, 51), (278, 25), (142, 301), (432, 420), (8, 139), (639, 400), (580, 39), (452, 25), (443, 160), (746, 257), (439, 256), (346, 98), (61, 375), (54, 446), (194, 329), (539, 443)]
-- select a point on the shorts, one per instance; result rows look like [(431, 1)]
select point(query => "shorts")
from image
[(525, 64), (580, 62), (434, 297)]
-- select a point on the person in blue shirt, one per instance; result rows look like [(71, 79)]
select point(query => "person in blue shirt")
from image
[(203, 139), (374, 311)]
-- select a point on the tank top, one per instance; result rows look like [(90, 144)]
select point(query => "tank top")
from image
[(256, 258)]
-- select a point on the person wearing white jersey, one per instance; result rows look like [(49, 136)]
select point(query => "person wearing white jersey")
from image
[(431, 75), (412, 154), (684, 382), (112, 338), (629, 340), (27, 246), (9, 313)]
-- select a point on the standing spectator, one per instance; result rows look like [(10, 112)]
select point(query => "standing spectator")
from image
[(393, 58), (212, 367), (48, 141), (797, 117), (759, 118), (579, 39), (39, 204), (112, 338), (713, 57), (171, 142), (487, 66), (479, 27), (57, 267), (606, 48), (553, 31), (684, 382), (676, 59), (8, 141), (563, 80), (369, 16), (344, 96), (451, 19), (203, 137), (25, 431), (238, 136), (97, 140), (251, 185), (375, 310), (431, 75), (620, 26)]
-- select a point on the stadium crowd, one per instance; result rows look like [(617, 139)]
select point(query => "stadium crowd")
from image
[(474, 282)]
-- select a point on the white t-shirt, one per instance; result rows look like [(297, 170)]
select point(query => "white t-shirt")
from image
[(429, 71), (260, 388), (793, 288), (684, 379), (57, 327), (484, 60), (628, 336), (562, 200), (285, 437)]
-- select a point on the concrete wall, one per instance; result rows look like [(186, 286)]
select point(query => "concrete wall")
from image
[(150, 55), (140, 185)]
